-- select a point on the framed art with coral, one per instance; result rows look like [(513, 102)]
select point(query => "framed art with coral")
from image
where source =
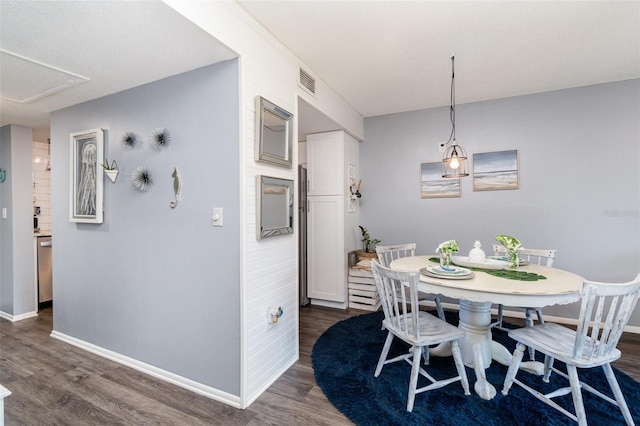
[(86, 191)]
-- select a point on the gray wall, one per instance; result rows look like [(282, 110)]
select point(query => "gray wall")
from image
[(579, 178), (17, 279), (156, 284)]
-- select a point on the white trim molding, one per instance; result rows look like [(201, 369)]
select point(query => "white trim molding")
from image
[(156, 372), (20, 317)]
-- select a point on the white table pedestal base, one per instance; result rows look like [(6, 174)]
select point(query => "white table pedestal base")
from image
[(478, 348)]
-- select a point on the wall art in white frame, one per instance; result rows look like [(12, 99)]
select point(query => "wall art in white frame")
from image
[(433, 185), (498, 170), (86, 177)]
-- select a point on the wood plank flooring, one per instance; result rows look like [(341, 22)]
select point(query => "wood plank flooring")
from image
[(53, 383)]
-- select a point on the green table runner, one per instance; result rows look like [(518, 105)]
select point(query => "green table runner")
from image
[(511, 274)]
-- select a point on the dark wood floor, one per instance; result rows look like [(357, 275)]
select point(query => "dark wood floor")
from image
[(54, 383)]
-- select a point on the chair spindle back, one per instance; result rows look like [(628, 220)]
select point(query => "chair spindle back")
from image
[(387, 254), (399, 297), (536, 256), (606, 309)]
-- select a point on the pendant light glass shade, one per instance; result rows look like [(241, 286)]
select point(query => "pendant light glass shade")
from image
[(454, 160)]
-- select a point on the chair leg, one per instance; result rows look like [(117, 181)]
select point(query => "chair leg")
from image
[(383, 354), (615, 388), (576, 393), (439, 308), (413, 381), (425, 356), (539, 314), (548, 365), (513, 368), (499, 322), (529, 323), (457, 359)]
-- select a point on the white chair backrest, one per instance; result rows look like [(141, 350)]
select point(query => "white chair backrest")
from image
[(606, 308), (537, 256), (387, 254), (399, 296)]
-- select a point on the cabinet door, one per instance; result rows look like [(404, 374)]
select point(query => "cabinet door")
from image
[(326, 256), (325, 163)]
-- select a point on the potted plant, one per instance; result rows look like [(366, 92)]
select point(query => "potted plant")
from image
[(368, 246), (111, 170)]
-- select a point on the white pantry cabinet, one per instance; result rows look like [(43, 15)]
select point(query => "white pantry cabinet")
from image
[(326, 163), (332, 159), (325, 260)]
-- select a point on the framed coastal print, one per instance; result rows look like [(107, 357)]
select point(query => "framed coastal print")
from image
[(86, 199), (433, 185), (494, 171)]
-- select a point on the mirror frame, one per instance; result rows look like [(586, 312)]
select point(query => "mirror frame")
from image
[(264, 106), (286, 227)]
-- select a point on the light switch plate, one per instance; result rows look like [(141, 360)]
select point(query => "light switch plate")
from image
[(216, 219)]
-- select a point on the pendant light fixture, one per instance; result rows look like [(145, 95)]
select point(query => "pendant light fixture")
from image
[(454, 160)]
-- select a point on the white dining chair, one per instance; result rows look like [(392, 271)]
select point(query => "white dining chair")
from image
[(605, 309), (387, 254), (536, 256), (404, 319)]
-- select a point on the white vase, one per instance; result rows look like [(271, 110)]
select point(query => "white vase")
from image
[(477, 254)]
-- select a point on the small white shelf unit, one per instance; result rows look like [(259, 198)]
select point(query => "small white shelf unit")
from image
[(362, 287)]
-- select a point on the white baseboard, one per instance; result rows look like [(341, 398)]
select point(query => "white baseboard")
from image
[(158, 373), (14, 318), (520, 314), (328, 304)]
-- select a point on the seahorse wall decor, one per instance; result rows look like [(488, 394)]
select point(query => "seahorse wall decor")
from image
[(177, 187)]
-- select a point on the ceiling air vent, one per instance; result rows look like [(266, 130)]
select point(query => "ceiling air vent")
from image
[(307, 81)]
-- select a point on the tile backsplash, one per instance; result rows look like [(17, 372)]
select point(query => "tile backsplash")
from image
[(42, 184)]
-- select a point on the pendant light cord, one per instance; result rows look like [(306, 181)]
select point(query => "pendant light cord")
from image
[(452, 108)]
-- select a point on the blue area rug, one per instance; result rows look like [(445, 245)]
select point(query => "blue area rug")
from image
[(345, 357)]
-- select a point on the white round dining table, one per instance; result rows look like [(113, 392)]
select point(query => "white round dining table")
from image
[(477, 294)]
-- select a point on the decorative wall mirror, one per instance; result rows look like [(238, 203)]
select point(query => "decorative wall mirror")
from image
[(274, 136), (274, 206)]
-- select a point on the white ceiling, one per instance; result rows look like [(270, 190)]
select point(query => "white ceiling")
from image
[(116, 45), (380, 56), (391, 56)]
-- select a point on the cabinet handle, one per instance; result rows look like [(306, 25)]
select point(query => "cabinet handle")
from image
[(308, 206)]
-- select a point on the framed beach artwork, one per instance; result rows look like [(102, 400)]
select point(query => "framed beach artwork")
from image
[(433, 185), (86, 192), (494, 171)]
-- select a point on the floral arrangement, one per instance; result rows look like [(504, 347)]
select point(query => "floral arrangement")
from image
[(513, 247), (450, 246), (446, 249)]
